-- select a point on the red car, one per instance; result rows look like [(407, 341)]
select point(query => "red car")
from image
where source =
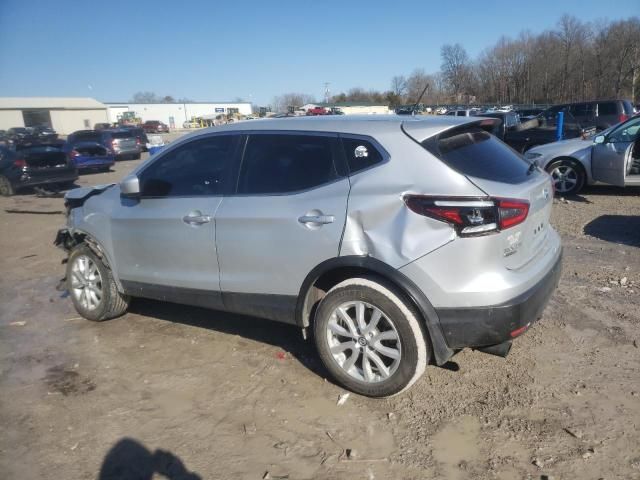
[(155, 126), (317, 111)]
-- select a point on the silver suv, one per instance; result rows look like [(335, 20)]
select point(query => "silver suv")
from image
[(396, 240)]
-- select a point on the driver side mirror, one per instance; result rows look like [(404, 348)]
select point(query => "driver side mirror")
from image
[(130, 187), (598, 139)]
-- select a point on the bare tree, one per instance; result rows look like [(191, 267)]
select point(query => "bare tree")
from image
[(399, 85), (283, 102), (455, 68)]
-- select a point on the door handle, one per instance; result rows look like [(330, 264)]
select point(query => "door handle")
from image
[(196, 219), (317, 219)]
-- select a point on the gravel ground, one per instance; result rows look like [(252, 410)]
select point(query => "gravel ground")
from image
[(183, 392)]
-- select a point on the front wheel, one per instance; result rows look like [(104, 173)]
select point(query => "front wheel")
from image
[(568, 177), (92, 288), (369, 338)]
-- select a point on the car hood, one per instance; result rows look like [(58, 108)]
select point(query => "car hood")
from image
[(76, 197), (563, 147)]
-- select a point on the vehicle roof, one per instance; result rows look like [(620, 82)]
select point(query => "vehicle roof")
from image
[(354, 124)]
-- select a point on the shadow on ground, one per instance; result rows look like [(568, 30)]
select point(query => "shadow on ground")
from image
[(128, 459), (623, 229), (287, 337), (608, 190)]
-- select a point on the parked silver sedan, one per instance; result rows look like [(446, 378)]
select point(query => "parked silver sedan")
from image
[(612, 157)]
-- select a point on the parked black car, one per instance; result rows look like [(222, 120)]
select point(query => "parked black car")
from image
[(120, 141), (34, 165), (19, 135), (44, 133), (542, 130), (599, 113), (529, 113), (509, 121)]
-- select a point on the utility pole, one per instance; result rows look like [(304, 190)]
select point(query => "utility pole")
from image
[(326, 92)]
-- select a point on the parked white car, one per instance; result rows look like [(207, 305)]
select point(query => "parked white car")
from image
[(612, 157)]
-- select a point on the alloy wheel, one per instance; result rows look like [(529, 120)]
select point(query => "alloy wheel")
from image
[(565, 178), (86, 282), (364, 342)]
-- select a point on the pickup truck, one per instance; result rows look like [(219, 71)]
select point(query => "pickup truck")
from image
[(317, 111)]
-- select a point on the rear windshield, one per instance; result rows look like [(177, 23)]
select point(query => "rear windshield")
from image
[(86, 137), (121, 134), (476, 153)]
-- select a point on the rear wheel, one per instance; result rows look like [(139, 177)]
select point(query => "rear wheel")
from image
[(92, 288), (370, 338), (567, 175), (6, 189)]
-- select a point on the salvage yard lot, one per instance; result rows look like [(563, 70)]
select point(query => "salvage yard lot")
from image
[(226, 396)]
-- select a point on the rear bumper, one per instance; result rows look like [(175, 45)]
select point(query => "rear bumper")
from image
[(42, 178), (492, 325), (94, 162)]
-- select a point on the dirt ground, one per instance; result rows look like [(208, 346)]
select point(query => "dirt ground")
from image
[(169, 391)]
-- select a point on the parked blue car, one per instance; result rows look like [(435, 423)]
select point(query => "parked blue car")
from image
[(90, 156)]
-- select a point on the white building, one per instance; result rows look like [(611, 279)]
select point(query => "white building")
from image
[(175, 114), (64, 114), (353, 108)]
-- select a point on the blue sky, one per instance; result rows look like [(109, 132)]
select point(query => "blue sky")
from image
[(220, 50)]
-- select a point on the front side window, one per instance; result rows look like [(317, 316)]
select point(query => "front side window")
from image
[(198, 168), (582, 109), (280, 163), (627, 132)]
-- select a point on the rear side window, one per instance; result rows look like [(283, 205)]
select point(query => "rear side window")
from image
[(474, 152), (197, 168), (279, 163), (361, 154), (607, 108)]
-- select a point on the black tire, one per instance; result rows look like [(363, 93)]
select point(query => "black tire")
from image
[(414, 349), (6, 189), (137, 156), (112, 303), (567, 163)]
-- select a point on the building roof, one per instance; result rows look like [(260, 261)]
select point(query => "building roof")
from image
[(53, 103), (177, 103)]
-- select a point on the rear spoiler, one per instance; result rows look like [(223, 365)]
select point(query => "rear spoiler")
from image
[(420, 133)]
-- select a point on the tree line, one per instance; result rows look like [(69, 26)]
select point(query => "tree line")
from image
[(572, 62)]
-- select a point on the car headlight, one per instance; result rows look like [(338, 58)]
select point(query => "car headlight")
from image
[(532, 155)]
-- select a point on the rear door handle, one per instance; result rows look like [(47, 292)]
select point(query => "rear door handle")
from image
[(198, 219), (317, 219)]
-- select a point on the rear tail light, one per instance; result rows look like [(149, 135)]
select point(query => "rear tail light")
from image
[(471, 216), (623, 117), (74, 153), (20, 163)]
